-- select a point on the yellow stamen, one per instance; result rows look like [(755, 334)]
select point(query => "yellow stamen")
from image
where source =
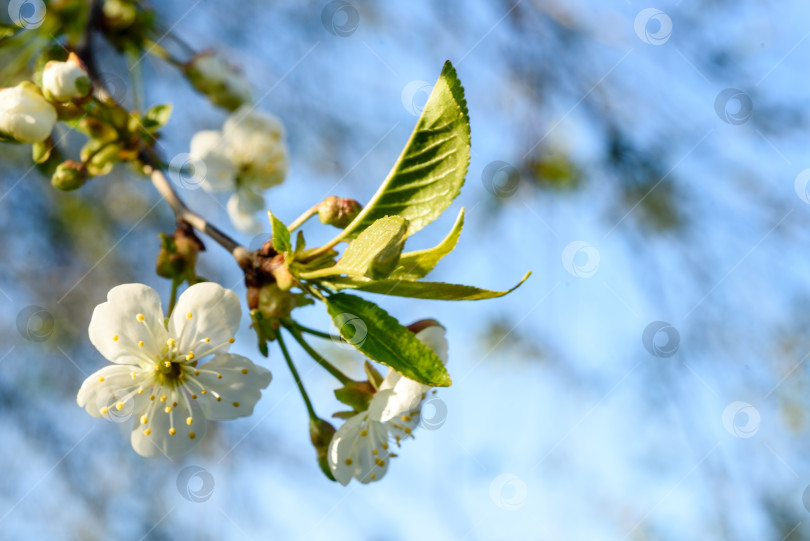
[(192, 435), (189, 316), (140, 317), (244, 370), (196, 372), (167, 409), (172, 431), (101, 379), (207, 340), (231, 340), (140, 343), (236, 404), (348, 461), (189, 420), (219, 399), (119, 406), (219, 376), (104, 410), (170, 342), (147, 431), (163, 398), (115, 338), (144, 419), (190, 355), (363, 433), (194, 396)]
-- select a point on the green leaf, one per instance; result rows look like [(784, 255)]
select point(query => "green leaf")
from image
[(421, 290), (430, 171), (373, 254), (415, 265), (157, 117), (281, 235), (379, 336)]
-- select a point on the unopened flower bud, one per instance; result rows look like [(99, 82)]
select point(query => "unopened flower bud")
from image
[(320, 433), (25, 115), (211, 74), (338, 211), (66, 81), (69, 175), (274, 302)]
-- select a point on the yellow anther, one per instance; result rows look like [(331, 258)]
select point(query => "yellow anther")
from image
[(134, 375), (104, 410), (189, 420), (196, 372), (190, 355), (231, 340), (101, 379), (140, 391), (373, 476), (374, 452), (151, 397), (188, 316), (385, 446), (236, 404), (144, 419), (219, 376), (140, 343), (140, 317), (406, 418), (172, 431), (163, 398), (194, 396), (219, 399), (381, 463), (192, 435), (119, 406), (407, 430), (203, 391), (363, 433), (167, 364), (167, 409), (207, 340), (170, 342), (244, 370), (348, 461), (174, 404), (147, 431), (115, 338)]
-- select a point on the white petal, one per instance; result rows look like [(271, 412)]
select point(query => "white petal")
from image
[(215, 313), (435, 337), (112, 385), (352, 451), (160, 441), (218, 171), (115, 328), (242, 208), (239, 388)]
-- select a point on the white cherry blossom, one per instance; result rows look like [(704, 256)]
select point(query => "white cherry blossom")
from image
[(159, 374), (25, 115), (360, 448)]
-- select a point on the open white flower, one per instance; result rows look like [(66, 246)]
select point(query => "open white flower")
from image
[(157, 374), (65, 81), (25, 116), (360, 448), (248, 156)]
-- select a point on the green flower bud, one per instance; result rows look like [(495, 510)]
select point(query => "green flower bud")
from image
[(274, 302), (338, 211), (69, 175), (320, 433)]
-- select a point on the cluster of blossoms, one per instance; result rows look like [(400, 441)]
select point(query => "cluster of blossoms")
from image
[(172, 375), (246, 157), (28, 113)]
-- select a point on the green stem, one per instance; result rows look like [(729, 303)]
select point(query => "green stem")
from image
[(294, 372), (303, 218), (173, 298), (329, 367), (315, 332), (135, 79)]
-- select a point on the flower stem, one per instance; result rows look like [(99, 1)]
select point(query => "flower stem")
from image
[(329, 367), (303, 218), (315, 332), (297, 377), (173, 297)]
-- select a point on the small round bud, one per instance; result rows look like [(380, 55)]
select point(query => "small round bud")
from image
[(65, 81), (274, 302), (69, 175), (212, 75), (338, 211), (25, 115)]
